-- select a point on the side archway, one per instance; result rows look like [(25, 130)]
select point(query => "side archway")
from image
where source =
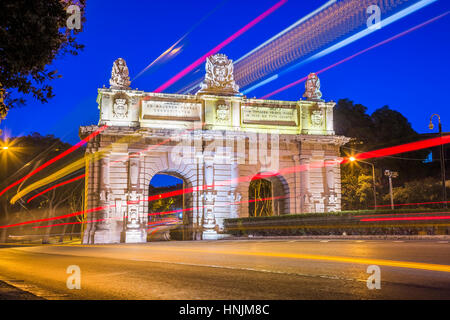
[(268, 196)]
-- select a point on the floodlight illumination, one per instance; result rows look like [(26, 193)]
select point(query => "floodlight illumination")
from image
[(5, 148), (352, 159)]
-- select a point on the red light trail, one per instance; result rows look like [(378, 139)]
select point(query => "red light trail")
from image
[(216, 49), (372, 154), (410, 204), (406, 218), (60, 156), (56, 186), (55, 218), (67, 223), (397, 214), (357, 54), (196, 127), (171, 212), (408, 147)]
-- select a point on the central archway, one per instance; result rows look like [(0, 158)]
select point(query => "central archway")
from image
[(169, 217)]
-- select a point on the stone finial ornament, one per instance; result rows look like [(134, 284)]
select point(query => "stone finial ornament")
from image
[(120, 78), (219, 78), (312, 87)]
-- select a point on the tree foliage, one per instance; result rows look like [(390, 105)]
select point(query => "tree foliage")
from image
[(24, 155), (417, 191), (383, 128), (32, 35)]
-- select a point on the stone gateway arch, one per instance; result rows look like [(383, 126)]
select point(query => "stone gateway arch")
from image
[(219, 142)]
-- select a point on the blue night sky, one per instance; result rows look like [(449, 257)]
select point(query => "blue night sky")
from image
[(410, 74)]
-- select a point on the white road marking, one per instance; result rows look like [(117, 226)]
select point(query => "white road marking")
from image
[(442, 242), (252, 269), (324, 240)]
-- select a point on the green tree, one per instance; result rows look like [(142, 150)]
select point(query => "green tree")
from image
[(383, 128), (418, 191), (357, 187), (32, 35)]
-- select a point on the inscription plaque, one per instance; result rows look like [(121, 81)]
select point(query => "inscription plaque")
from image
[(269, 116), (169, 110)]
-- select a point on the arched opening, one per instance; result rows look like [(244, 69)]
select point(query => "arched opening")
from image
[(170, 215), (268, 197)]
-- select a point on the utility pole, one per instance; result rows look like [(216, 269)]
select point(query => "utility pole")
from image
[(391, 174), (442, 158)]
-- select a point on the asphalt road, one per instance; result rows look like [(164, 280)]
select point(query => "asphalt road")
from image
[(254, 269)]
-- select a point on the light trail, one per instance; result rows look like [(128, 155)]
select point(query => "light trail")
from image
[(408, 147), (60, 156), (74, 166), (365, 261), (201, 207), (323, 7), (169, 53), (410, 204), (197, 126), (216, 49), (356, 54), (385, 22), (80, 163), (67, 223), (172, 51), (372, 154), (406, 218), (172, 212), (258, 200), (397, 214), (54, 218), (56, 186)]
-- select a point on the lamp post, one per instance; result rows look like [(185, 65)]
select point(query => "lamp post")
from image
[(444, 191), (352, 159)]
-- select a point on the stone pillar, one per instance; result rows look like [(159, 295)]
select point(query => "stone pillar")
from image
[(317, 180), (135, 229), (296, 191), (305, 191), (234, 195), (103, 226), (209, 197), (331, 199), (88, 228)]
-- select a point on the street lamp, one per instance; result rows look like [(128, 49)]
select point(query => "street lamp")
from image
[(352, 159), (444, 191)]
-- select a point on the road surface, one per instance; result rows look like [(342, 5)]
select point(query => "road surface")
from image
[(234, 269)]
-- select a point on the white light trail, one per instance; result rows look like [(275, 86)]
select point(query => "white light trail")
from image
[(395, 17)]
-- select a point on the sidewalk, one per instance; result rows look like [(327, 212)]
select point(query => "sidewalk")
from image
[(8, 292)]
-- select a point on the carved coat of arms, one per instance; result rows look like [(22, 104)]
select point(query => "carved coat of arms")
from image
[(223, 112), (219, 75), (312, 87), (120, 78), (317, 118), (120, 108)]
